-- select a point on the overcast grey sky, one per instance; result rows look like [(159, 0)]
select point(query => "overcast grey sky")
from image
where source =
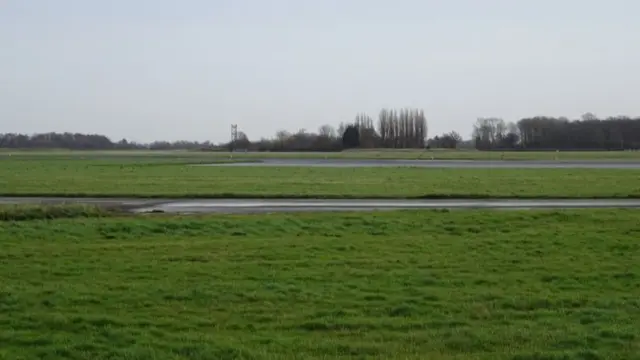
[(169, 69)]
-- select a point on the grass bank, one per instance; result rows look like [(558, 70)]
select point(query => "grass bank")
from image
[(398, 285), (26, 212), (113, 178)]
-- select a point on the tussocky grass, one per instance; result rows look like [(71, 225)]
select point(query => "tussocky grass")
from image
[(387, 285), (26, 212)]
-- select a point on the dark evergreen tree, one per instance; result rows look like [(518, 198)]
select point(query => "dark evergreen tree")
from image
[(351, 137)]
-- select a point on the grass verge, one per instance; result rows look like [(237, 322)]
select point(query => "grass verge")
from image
[(392, 285), (110, 178), (25, 212)]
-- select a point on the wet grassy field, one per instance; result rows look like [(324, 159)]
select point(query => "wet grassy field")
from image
[(131, 176), (79, 282), (391, 285)]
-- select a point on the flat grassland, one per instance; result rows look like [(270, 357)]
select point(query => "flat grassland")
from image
[(437, 154), (393, 285), (140, 176)]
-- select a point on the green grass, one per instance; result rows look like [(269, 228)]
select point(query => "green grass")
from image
[(439, 154), (397, 285), (159, 178), (25, 212)]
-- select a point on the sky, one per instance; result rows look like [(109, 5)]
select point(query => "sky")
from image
[(186, 70)]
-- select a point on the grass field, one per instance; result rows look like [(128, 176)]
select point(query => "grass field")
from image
[(438, 154), (170, 177), (393, 285)]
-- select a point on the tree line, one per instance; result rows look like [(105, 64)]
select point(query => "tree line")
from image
[(550, 133), (399, 129), (77, 141), (404, 128)]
